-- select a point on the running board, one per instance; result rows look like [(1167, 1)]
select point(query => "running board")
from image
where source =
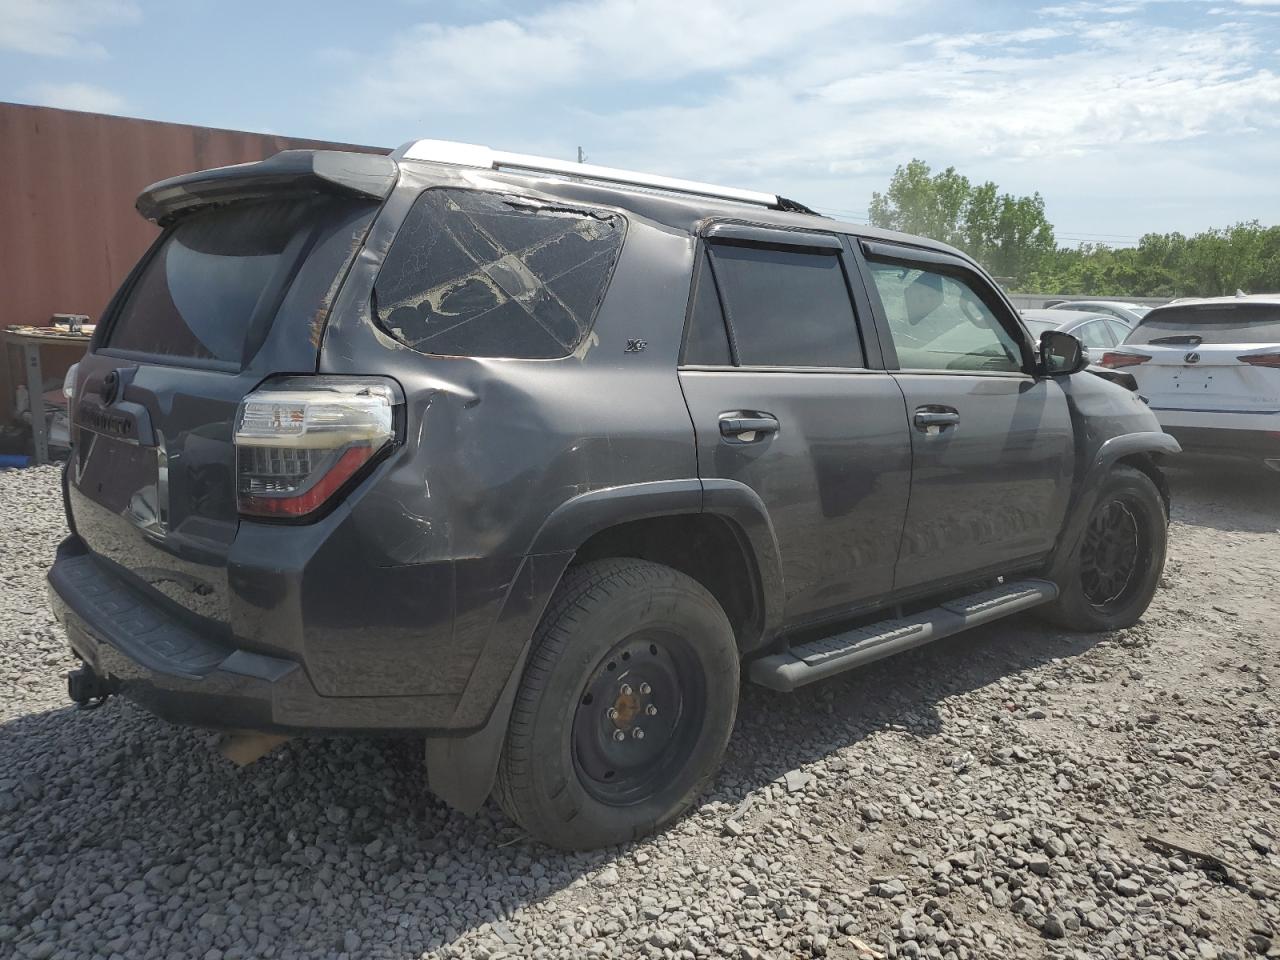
[(823, 658)]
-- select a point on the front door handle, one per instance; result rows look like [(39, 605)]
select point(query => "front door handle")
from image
[(747, 429), (936, 418)]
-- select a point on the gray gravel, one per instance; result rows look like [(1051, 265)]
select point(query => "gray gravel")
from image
[(985, 798)]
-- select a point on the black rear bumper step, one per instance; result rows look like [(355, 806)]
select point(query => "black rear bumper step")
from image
[(818, 659), (146, 634)]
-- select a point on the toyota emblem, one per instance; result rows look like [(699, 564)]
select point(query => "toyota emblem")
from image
[(1192, 357), (107, 389)]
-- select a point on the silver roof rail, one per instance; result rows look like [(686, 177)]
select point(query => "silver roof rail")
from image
[(474, 155)]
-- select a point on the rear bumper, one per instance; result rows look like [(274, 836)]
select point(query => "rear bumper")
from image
[(1229, 443), (161, 660)]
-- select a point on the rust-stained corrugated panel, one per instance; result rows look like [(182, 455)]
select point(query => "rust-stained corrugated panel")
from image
[(68, 231)]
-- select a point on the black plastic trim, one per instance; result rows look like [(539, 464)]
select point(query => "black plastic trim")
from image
[(290, 171), (772, 236)]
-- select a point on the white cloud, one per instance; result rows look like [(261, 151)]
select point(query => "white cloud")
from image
[(58, 28), (966, 103), (76, 96), (821, 101), (579, 43)]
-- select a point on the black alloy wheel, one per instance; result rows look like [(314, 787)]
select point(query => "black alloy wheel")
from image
[(1111, 555), (1111, 574)]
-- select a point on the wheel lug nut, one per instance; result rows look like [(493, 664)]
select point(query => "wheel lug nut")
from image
[(637, 733), (612, 713), (645, 688), (651, 710), (625, 689), (619, 735)]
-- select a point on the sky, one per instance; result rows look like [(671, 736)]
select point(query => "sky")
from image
[(1128, 116)]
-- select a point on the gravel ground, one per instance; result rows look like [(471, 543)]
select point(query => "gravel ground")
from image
[(987, 797)]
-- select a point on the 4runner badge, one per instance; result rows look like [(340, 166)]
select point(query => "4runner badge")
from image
[(635, 346)]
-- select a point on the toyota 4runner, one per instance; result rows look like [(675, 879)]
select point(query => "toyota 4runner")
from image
[(534, 458)]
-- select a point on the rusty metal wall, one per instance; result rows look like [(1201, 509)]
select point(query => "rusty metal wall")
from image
[(68, 180)]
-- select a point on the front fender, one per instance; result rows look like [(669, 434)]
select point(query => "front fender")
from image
[(1109, 452)]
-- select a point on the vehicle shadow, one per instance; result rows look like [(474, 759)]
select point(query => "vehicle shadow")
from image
[(326, 836), (1231, 497)]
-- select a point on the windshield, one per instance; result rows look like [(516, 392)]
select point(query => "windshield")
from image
[(1211, 323)]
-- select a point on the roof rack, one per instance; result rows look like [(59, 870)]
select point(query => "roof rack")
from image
[(474, 155)]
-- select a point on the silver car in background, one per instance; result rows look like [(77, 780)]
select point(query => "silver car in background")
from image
[(1130, 313), (1097, 331)]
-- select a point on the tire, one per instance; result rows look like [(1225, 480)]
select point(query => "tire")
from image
[(1094, 594), (565, 775)]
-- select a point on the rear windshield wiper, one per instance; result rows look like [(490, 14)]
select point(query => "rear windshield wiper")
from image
[(1190, 339)]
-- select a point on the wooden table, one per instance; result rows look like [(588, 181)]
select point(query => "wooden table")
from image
[(30, 341)]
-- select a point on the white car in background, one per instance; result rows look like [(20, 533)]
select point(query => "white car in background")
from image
[(1210, 370)]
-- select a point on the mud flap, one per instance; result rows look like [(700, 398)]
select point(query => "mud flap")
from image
[(461, 770)]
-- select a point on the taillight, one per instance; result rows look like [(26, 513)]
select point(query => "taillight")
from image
[(1116, 360), (1261, 359), (299, 440)]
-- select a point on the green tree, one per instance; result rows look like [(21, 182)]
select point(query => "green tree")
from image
[(924, 204), (1007, 234), (1012, 237)]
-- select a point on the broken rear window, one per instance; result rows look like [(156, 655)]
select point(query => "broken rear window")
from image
[(488, 275)]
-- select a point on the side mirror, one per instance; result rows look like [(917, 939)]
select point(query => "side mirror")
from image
[(1061, 353)]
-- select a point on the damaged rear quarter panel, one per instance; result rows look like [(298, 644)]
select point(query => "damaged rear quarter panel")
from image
[(493, 446)]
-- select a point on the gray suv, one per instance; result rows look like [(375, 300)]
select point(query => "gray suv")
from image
[(534, 459)]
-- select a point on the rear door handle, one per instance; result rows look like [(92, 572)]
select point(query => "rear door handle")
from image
[(743, 429), (936, 416)]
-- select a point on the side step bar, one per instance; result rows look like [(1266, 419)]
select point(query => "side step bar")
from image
[(828, 656)]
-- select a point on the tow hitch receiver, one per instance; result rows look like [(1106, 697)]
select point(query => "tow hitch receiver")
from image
[(87, 689)]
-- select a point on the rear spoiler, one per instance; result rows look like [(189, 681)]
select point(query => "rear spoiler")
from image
[(305, 172)]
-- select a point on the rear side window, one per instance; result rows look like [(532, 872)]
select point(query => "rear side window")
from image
[(708, 342), (210, 279), (482, 274), (787, 307), (1094, 334), (1212, 323)]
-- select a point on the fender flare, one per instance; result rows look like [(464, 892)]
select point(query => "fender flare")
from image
[(1109, 452), (578, 519), (461, 769)]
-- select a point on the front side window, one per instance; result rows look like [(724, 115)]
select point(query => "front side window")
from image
[(787, 307), (480, 274), (938, 322)]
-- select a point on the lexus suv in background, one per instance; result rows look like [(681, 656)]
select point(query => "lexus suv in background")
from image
[(1211, 371), (533, 458)]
